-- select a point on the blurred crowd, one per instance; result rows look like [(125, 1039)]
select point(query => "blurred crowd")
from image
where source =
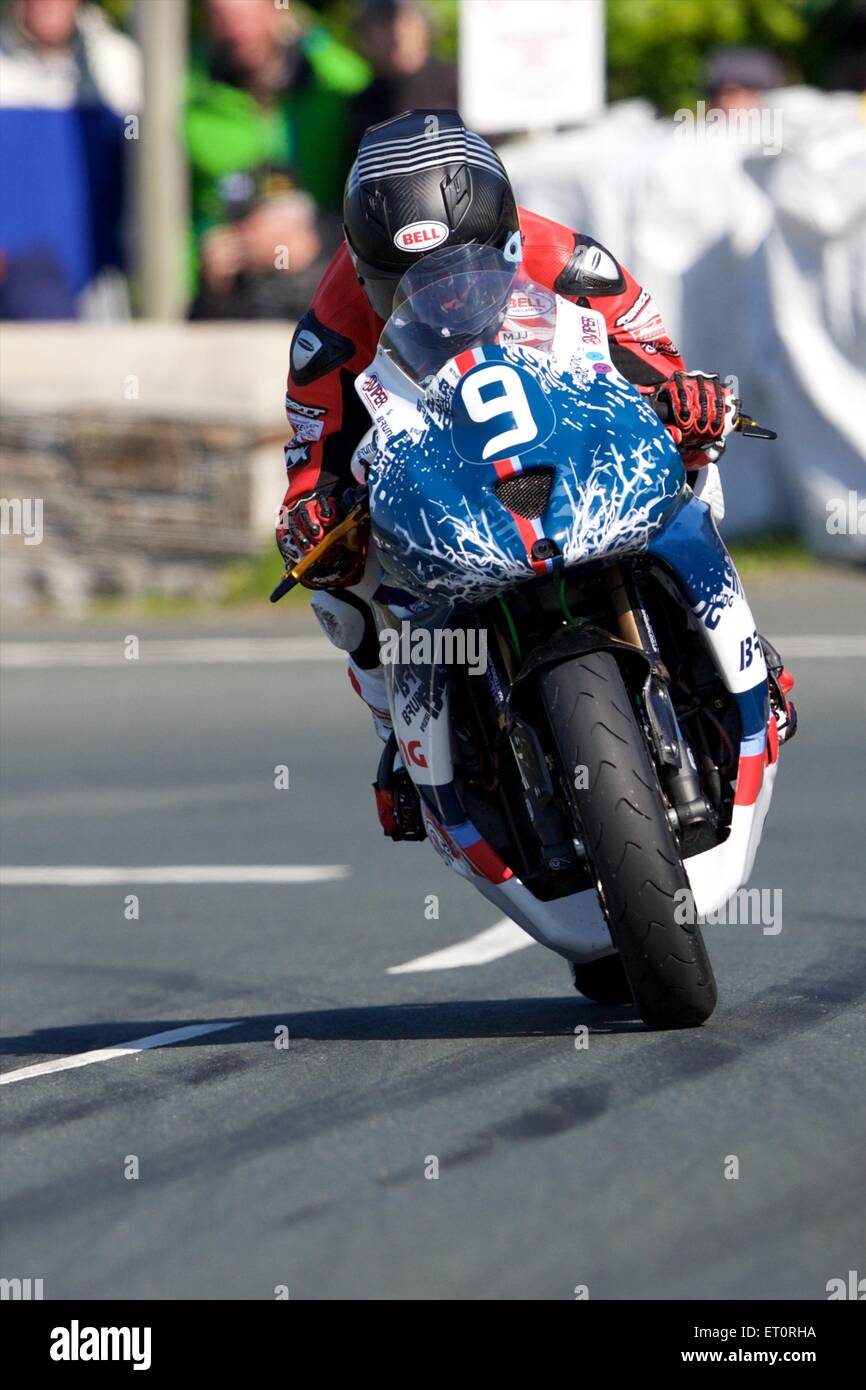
[(273, 108)]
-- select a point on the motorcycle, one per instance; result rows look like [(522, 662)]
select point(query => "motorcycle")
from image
[(602, 777)]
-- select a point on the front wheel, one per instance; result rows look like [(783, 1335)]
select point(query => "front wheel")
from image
[(620, 815)]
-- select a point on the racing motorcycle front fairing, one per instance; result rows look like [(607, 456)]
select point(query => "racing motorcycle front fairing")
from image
[(524, 455), (516, 457), (691, 557)]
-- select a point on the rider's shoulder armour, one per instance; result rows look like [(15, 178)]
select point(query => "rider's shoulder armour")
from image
[(317, 350), (591, 270)]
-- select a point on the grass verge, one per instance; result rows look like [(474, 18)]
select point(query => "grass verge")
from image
[(246, 584)]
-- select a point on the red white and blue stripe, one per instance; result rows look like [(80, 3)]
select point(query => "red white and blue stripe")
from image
[(529, 529)]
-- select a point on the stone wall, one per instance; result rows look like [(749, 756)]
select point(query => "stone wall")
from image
[(154, 450)]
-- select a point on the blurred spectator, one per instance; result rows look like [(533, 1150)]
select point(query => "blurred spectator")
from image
[(740, 77), (396, 37), (68, 84), (269, 146)]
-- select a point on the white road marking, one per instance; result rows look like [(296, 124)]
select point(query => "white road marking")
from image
[(106, 1054), (496, 941), (172, 651), (75, 876), (195, 651), (110, 800), (826, 646)]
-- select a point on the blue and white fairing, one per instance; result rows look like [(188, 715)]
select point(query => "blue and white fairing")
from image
[(689, 553), (545, 394)]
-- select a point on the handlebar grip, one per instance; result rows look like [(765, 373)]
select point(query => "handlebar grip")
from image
[(287, 583)]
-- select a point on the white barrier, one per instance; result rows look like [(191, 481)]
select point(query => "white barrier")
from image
[(752, 240)]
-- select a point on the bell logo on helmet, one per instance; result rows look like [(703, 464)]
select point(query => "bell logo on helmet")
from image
[(421, 236)]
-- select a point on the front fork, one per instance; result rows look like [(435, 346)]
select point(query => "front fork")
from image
[(679, 772), (560, 853)]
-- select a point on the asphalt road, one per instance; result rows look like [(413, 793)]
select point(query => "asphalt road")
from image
[(262, 1166)]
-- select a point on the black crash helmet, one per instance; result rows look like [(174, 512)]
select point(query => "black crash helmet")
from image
[(421, 181)]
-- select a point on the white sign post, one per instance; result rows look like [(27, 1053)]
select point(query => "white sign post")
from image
[(530, 64)]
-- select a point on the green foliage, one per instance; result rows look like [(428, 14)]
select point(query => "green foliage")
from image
[(770, 555), (243, 586), (120, 11), (656, 48), (251, 581), (338, 15)]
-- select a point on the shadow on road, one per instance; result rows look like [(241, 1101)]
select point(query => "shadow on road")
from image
[(461, 1018)]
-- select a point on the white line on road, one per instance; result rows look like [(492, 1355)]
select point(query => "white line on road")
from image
[(106, 1054), (826, 646), (75, 876), (104, 800), (496, 941), (195, 651), (174, 651)]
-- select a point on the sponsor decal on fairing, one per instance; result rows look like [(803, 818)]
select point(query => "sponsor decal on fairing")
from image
[(372, 388), (530, 304)]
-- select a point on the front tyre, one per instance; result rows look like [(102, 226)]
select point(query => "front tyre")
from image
[(621, 817)]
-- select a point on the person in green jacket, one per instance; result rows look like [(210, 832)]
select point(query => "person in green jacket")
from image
[(267, 133)]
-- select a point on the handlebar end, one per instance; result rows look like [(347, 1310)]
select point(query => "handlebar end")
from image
[(287, 583)]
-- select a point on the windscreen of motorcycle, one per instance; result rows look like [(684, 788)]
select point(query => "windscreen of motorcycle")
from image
[(483, 377), (455, 298)]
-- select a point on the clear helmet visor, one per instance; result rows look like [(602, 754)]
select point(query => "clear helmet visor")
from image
[(451, 299), (382, 288)]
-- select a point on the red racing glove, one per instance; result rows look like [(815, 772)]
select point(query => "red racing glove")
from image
[(303, 525), (699, 412)]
